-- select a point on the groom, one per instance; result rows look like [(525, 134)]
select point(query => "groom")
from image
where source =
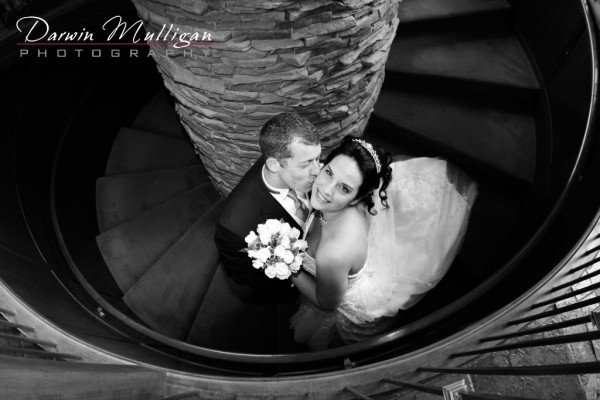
[(275, 187)]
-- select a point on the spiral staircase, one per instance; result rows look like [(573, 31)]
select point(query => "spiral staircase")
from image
[(123, 274)]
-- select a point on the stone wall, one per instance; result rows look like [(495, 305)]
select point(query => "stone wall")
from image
[(322, 59)]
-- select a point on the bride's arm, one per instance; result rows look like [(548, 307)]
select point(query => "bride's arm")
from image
[(327, 290)]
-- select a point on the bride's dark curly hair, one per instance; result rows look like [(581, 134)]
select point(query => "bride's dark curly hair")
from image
[(366, 164)]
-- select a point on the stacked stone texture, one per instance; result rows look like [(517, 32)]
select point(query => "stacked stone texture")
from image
[(322, 59)]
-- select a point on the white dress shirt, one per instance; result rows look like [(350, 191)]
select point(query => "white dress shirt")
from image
[(281, 195)]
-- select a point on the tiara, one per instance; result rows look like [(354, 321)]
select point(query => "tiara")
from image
[(369, 147)]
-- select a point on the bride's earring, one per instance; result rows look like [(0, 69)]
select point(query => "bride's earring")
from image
[(353, 203)]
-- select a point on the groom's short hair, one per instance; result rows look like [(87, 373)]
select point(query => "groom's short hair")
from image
[(279, 132)]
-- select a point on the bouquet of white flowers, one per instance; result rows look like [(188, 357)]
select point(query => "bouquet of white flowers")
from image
[(276, 248)]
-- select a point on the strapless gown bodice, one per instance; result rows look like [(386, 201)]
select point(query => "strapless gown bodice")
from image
[(310, 265)]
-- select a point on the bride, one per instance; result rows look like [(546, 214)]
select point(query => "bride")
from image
[(386, 234)]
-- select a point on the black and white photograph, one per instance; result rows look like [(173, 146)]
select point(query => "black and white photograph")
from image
[(286, 200)]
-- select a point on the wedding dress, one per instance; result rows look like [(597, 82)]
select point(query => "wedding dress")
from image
[(411, 246)]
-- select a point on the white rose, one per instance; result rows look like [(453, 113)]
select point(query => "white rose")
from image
[(285, 229), (263, 254), (285, 242), (294, 233), (282, 271), (279, 251), (264, 233), (288, 257), (257, 264), (273, 225), (252, 253), (295, 267), (251, 237), (265, 237), (270, 271), (262, 228), (300, 245)]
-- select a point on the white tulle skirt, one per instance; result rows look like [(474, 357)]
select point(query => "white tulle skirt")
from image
[(411, 246)]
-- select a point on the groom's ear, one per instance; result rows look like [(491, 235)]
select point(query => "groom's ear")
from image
[(273, 164)]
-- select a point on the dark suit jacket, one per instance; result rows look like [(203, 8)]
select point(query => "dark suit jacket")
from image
[(248, 205)]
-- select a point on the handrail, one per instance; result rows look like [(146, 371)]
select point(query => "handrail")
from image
[(395, 335)]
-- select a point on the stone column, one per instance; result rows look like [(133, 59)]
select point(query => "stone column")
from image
[(320, 58)]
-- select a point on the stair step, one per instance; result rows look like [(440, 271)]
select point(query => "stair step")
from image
[(463, 127), (14, 325), (27, 339), (412, 11), (136, 151), (120, 197), (226, 322), (489, 55), (38, 353), (169, 294), (131, 247), (159, 116)]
